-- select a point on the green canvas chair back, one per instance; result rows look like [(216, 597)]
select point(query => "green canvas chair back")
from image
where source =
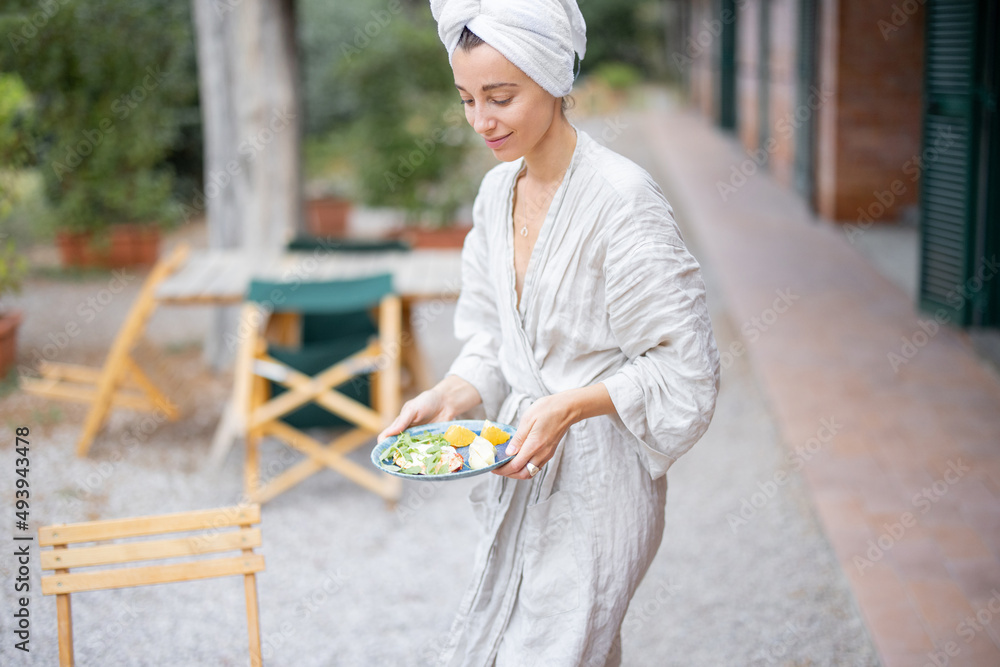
[(336, 324), (305, 243), (329, 297)]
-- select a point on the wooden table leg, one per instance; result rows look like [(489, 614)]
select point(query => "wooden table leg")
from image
[(232, 424), (412, 358), (227, 430)]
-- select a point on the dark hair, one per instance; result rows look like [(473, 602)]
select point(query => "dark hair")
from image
[(469, 40)]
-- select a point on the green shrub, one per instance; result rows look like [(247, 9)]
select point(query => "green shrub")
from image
[(105, 78), (12, 269), (618, 76), (397, 126), (16, 121)]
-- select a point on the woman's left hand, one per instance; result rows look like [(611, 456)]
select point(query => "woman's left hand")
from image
[(538, 434)]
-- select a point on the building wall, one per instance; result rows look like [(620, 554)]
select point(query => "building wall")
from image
[(782, 70), (747, 62), (871, 55), (827, 117), (701, 46), (783, 75)]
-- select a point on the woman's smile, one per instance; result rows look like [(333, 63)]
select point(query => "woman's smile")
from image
[(494, 144)]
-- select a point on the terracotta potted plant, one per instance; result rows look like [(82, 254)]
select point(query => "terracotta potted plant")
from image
[(117, 246), (12, 269), (451, 235), (134, 244), (331, 187), (432, 209), (99, 227), (443, 237), (327, 210), (410, 138), (107, 118), (438, 224)]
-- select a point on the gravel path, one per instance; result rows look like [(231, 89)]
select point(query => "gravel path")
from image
[(764, 592)]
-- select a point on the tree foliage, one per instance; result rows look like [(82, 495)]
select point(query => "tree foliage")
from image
[(383, 79), (629, 31), (106, 79)]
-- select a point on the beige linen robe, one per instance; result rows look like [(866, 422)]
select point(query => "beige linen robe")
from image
[(611, 295)]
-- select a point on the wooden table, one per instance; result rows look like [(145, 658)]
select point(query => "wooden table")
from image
[(222, 278)]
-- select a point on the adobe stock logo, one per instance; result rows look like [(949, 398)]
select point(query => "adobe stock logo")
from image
[(967, 629), (922, 501), (794, 461), (901, 13), (363, 36)]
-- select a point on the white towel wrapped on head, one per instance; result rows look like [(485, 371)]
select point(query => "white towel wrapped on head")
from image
[(538, 36)]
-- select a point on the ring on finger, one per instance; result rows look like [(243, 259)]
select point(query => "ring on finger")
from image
[(532, 468)]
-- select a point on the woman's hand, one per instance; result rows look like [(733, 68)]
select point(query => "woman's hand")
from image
[(538, 434), (544, 424), (447, 399), (424, 408)]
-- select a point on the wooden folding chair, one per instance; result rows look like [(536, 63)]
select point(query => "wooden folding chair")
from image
[(317, 354), (120, 382), (213, 540), (418, 374)]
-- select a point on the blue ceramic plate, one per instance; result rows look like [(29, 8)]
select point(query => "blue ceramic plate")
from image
[(474, 425)]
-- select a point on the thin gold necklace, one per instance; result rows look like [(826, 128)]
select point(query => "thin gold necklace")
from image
[(524, 227)]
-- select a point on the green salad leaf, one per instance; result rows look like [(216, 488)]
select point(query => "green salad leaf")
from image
[(415, 449)]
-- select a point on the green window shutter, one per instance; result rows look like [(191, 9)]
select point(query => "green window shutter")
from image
[(990, 23), (805, 138), (948, 189), (728, 12)]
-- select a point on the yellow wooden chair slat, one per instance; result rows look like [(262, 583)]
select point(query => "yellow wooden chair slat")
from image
[(309, 466), (225, 530), (320, 455), (86, 393), (305, 389), (110, 554), (74, 373), (103, 388), (152, 574), (113, 529)]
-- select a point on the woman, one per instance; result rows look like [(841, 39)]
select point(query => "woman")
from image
[(584, 322)]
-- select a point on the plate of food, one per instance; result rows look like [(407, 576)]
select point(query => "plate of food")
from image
[(445, 450)]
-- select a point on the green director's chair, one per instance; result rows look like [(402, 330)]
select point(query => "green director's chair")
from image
[(323, 354)]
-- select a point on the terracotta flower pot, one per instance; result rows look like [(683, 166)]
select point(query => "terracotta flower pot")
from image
[(126, 245), (327, 217), (134, 245), (74, 248), (147, 248), (444, 237), (9, 323), (121, 251)]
